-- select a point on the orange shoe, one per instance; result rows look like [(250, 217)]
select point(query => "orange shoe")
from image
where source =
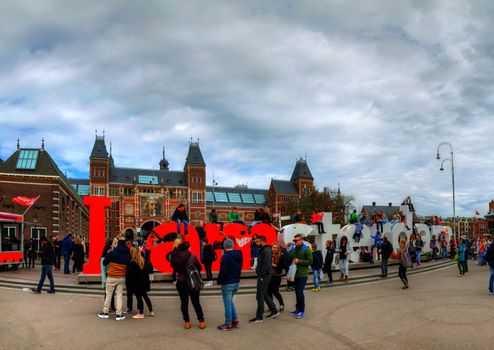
[(187, 325), (202, 325), (346, 279)]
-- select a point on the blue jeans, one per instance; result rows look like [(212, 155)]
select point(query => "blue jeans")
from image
[(491, 279), (344, 267), (46, 271), (66, 261), (481, 259), (418, 255), (444, 252), (316, 277), (300, 282), (228, 291), (186, 226)]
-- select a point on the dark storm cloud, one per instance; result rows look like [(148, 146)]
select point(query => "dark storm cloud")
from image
[(367, 90)]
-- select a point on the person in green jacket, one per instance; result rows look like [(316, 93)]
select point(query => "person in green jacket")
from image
[(353, 218), (301, 256), (234, 217)]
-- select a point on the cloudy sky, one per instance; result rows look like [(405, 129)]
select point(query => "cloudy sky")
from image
[(365, 89)]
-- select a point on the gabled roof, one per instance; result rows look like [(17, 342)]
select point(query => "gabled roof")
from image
[(99, 149), (301, 170), (386, 209), (163, 177), (284, 187), (194, 156)]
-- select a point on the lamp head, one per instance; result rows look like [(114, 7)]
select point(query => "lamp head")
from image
[(442, 169), (438, 156)]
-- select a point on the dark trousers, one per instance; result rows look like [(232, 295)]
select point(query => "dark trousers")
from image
[(462, 267), (320, 227), (130, 297), (274, 289), (56, 261), (66, 261), (300, 282), (209, 274), (329, 272), (140, 304), (379, 224), (466, 264), (402, 272), (30, 261), (263, 297), (185, 293), (384, 267), (46, 270)]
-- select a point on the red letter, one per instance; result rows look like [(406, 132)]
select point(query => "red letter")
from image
[(97, 225)]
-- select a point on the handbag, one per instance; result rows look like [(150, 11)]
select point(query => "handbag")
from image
[(292, 271), (406, 259), (321, 275)]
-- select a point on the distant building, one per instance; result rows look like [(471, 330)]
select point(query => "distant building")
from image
[(59, 210)]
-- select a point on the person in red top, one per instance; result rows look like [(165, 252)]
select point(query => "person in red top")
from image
[(317, 220)]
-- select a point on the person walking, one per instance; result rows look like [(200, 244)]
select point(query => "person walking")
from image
[(301, 256), (263, 272), (47, 258), (117, 261), (328, 261), (462, 257), (77, 256), (316, 265), (67, 247), (181, 260), (405, 262), (277, 265), (180, 216), (386, 251), (343, 258), (208, 257), (57, 245), (229, 280), (139, 282)]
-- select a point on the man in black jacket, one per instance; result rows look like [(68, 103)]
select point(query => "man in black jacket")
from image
[(386, 251), (47, 257), (263, 272)]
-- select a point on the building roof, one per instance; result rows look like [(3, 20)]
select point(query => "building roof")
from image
[(386, 209), (99, 149), (301, 170), (147, 177), (284, 187), (239, 196), (194, 156)]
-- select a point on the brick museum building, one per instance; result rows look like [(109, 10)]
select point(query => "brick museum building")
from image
[(140, 198)]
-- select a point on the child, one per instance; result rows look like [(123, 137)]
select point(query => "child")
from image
[(328, 261), (316, 266)]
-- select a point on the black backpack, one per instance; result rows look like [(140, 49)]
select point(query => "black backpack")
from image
[(194, 281)]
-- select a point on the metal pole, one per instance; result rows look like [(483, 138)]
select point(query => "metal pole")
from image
[(454, 200)]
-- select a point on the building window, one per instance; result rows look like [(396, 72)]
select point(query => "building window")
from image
[(128, 192), (114, 191), (99, 191), (36, 234), (196, 197), (27, 159)]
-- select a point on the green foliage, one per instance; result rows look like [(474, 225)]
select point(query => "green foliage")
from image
[(329, 201)]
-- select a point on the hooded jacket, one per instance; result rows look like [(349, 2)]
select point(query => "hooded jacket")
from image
[(47, 254), (180, 215), (304, 256), (263, 268), (179, 260), (67, 245), (117, 261), (316, 260), (230, 267)]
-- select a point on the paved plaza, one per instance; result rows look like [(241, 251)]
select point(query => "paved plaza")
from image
[(439, 311)]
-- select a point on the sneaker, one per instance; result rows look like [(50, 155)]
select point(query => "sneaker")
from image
[(138, 316), (255, 320), (300, 315), (491, 293), (187, 325), (282, 307), (51, 291), (151, 313), (202, 324), (127, 311), (236, 323), (35, 291), (329, 283), (103, 315), (224, 327), (274, 314), (174, 282), (294, 312), (120, 317)]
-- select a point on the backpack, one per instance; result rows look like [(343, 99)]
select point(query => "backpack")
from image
[(194, 281), (406, 259)]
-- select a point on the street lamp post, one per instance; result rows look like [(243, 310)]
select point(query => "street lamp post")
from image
[(214, 184), (438, 157)]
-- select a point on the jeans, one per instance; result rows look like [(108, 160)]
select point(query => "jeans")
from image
[(379, 224), (209, 274), (444, 253), (66, 261), (263, 297), (114, 285), (481, 259), (185, 293), (418, 256), (344, 266), (140, 304), (402, 272), (300, 282), (491, 279), (462, 267), (56, 261), (186, 226), (384, 267), (238, 222), (320, 227), (46, 271), (274, 289), (227, 292), (316, 277)]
